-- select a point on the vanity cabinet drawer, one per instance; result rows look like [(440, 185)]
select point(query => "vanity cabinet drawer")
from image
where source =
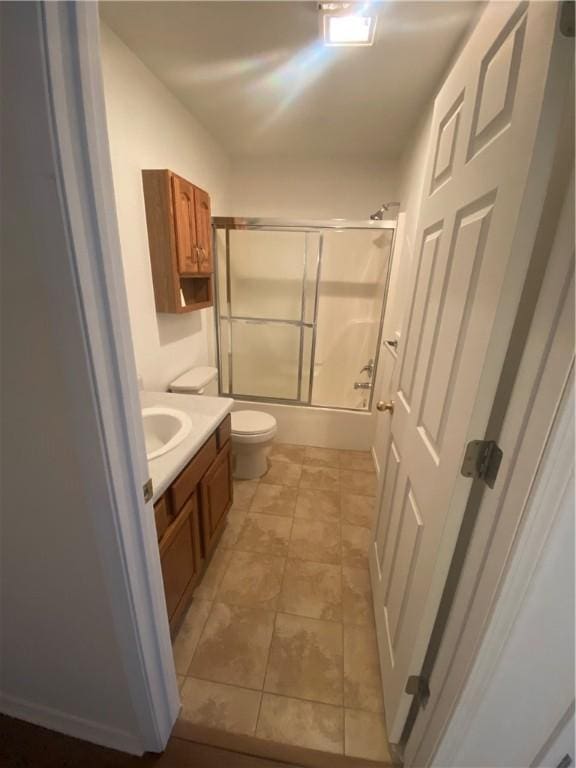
[(162, 516), (180, 558), (224, 431), (188, 479)]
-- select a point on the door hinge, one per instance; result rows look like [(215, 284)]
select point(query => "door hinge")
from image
[(567, 25), (482, 461), (148, 490), (417, 686)]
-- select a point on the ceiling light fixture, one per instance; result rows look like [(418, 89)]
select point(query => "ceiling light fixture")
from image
[(343, 26)]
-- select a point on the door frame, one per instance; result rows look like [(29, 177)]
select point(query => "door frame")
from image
[(125, 531)]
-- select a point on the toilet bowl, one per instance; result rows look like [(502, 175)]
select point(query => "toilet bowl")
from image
[(252, 431), (252, 435)]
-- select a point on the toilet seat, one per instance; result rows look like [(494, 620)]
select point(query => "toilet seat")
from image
[(253, 426)]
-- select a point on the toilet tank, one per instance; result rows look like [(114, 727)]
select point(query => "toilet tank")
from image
[(201, 380)]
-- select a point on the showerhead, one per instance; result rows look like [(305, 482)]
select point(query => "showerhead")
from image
[(384, 208)]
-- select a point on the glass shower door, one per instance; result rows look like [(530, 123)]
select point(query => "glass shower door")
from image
[(355, 267), (267, 294)]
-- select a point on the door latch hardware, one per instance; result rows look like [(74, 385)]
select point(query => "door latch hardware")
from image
[(482, 461), (417, 686), (148, 490)]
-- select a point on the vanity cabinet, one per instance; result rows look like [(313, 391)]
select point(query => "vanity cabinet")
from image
[(190, 517), (179, 222)]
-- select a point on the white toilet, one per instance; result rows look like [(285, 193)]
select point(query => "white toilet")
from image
[(252, 431)]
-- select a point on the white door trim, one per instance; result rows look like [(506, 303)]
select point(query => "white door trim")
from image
[(125, 532)]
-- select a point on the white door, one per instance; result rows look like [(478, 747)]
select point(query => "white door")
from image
[(488, 161)]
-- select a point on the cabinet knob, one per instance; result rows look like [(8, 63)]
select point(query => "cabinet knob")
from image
[(382, 405)]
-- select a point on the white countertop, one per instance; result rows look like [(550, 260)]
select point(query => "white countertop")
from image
[(206, 414)]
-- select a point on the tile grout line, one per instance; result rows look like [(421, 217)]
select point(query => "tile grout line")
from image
[(280, 695), (343, 647), (343, 715), (266, 671), (200, 635), (273, 632)]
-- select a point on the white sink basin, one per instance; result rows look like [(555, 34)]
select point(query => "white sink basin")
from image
[(164, 429)]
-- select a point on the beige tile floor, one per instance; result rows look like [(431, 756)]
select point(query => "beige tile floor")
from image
[(279, 641)]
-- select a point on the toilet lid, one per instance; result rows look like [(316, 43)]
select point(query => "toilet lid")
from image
[(194, 379), (252, 422)]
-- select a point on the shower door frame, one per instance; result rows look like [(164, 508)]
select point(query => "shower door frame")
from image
[(317, 226)]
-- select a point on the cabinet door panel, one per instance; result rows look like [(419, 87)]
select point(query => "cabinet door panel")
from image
[(203, 230), (180, 558), (185, 225), (216, 497)]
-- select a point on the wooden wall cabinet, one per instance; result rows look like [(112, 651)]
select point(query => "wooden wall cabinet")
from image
[(179, 224), (190, 517)]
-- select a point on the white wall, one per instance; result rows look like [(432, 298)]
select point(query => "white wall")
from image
[(149, 128), (349, 188), (61, 659)]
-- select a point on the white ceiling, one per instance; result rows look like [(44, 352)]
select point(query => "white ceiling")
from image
[(257, 76)]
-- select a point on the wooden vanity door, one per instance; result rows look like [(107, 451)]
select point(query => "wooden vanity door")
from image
[(185, 226), (181, 559), (203, 231), (216, 497)]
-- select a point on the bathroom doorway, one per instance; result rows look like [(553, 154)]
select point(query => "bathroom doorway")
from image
[(298, 303)]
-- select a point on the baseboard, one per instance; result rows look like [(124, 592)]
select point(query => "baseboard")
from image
[(70, 725)]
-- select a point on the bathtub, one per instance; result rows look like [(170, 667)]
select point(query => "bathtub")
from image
[(312, 425)]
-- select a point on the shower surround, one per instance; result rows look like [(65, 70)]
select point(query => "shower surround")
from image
[(299, 318)]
